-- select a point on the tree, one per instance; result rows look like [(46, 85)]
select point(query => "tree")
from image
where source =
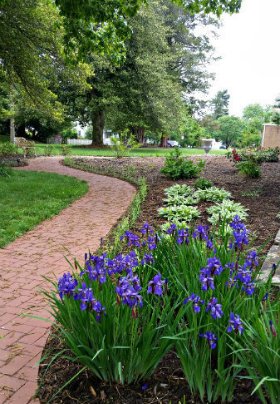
[(220, 104), (148, 92), (230, 130), (276, 113), (254, 117)]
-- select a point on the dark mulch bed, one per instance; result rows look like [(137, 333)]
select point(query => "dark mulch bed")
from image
[(260, 196)]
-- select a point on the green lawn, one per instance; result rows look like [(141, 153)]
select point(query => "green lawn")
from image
[(28, 198), (141, 152)]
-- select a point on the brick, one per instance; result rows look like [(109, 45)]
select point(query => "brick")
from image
[(14, 365), (11, 383), (24, 395)]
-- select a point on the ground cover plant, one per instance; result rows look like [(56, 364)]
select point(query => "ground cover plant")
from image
[(27, 198), (177, 167), (188, 290)]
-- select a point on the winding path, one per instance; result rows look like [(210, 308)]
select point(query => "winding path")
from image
[(39, 253)]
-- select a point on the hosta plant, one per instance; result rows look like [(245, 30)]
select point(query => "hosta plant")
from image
[(224, 212), (213, 194), (176, 190), (181, 213)]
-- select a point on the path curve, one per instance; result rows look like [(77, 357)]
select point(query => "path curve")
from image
[(40, 252)]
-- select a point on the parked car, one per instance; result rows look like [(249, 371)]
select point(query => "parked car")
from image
[(172, 143)]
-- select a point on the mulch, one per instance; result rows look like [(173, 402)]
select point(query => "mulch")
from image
[(262, 199)]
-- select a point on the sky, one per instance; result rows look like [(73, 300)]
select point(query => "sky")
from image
[(249, 45)]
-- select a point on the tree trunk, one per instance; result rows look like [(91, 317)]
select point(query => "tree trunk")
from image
[(12, 130), (98, 122), (163, 141), (139, 133)]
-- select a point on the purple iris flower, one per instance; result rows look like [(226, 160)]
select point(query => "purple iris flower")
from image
[(183, 236), (214, 308), (201, 232), (156, 285), (196, 301), (252, 259), (147, 259), (172, 229), (147, 229), (240, 234), (128, 288), (88, 301), (131, 239), (66, 285), (207, 281), (249, 288), (211, 339), (235, 324)]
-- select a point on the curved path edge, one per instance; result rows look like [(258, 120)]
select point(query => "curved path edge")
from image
[(41, 252)]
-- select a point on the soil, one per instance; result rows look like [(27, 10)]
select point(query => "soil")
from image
[(261, 198)]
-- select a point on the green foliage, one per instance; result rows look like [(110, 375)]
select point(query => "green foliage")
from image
[(49, 150), (270, 155), (25, 202), (249, 168), (179, 213), (8, 149), (212, 194), (220, 104), (224, 212), (123, 144), (177, 167), (230, 130), (66, 150), (261, 356), (203, 183)]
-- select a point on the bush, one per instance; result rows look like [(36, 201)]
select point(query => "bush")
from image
[(203, 183), (213, 194), (182, 213), (224, 212), (65, 150), (178, 167), (249, 168), (49, 150), (8, 149)]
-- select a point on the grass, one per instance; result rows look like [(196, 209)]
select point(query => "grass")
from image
[(28, 198), (141, 152)]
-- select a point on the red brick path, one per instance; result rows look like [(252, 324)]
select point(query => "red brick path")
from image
[(41, 252)]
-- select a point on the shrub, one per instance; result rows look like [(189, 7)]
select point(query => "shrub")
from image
[(177, 167), (203, 183), (123, 144), (249, 168), (8, 149), (65, 150), (49, 150)]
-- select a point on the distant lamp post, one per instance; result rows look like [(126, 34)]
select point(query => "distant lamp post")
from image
[(206, 144)]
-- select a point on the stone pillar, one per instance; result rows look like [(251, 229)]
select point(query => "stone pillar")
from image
[(271, 136)]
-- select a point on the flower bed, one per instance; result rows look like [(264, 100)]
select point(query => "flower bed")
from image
[(187, 291)]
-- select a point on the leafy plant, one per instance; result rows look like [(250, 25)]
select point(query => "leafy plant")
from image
[(49, 150), (213, 194), (225, 212), (8, 149), (249, 168), (203, 183), (177, 167), (181, 200), (123, 144), (66, 150), (222, 296), (180, 213), (179, 190), (115, 313)]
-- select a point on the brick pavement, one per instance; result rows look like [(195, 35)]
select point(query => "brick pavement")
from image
[(41, 252)]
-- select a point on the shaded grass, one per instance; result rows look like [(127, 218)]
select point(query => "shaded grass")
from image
[(141, 152), (28, 198)]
